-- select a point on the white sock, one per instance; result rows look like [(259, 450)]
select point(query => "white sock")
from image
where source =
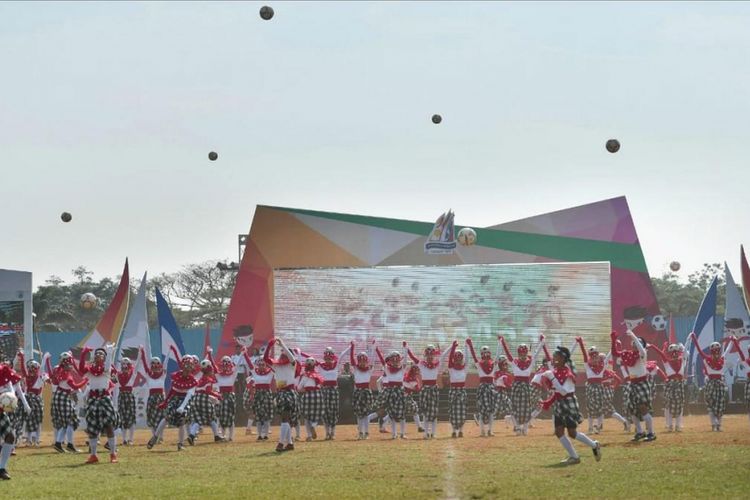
[(619, 417), (259, 427), (194, 427), (93, 442), (585, 439), (515, 422), (600, 422), (297, 432), (568, 446), (649, 423), (267, 428), (434, 428), (679, 422), (386, 420), (402, 424), (59, 435), (393, 428), (285, 431), (160, 427), (231, 432), (668, 418), (180, 434), (5, 454), (712, 417), (112, 445), (372, 416), (535, 413), (489, 426), (638, 427), (249, 422), (417, 421), (481, 426), (591, 422), (69, 434), (214, 428)]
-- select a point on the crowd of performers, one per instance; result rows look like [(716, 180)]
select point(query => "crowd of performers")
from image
[(297, 387)]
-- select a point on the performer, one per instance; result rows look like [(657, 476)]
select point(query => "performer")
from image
[(540, 384), (240, 384), (362, 399), (9, 382), (311, 401), (261, 376), (126, 401), (203, 404), (565, 407), (286, 370), (746, 361), (248, 396), (640, 398), (35, 380), (63, 409), (715, 392), (391, 398), (617, 364), (412, 387), (429, 368), (594, 363), (521, 391), (674, 392), (457, 394), (177, 402), (503, 382), (225, 378), (155, 377), (486, 391), (100, 412), (329, 371)]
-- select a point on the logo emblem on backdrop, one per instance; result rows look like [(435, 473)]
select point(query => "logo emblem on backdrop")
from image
[(442, 238)]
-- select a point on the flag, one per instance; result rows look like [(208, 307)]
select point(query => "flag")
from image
[(442, 238), (672, 334), (170, 336), (135, 333), (736, 321), (745, 276), (108, 329), (704, 330)]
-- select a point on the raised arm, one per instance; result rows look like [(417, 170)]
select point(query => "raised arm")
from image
[(345, 352), (351, 354), (82, 360), (547, 356), (736, 343), (288, 352), (144, 364), (380, 355), (729, 348), (22, 364), (505, 348), (616, 352), (411, 354), (210, 356), (579, 340), (637, 343), (471, 350), (248, 359), (451, 353), (537, 349), (660, 352), (662, 374), (108, 363), (698, 349), (444, 355), (174, 352)]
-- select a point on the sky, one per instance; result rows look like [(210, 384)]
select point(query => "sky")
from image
[(109, 110)]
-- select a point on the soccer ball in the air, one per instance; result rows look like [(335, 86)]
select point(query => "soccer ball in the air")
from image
[(467, 236), (88, 301), (674, 266), (613, 145), (8, 402), (266, 12), (659, 323)]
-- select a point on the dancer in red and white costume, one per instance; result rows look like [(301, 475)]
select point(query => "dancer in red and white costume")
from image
[(9, 382), (286, 369), (329, 370), (226, 376), (715, 391), (521, 393), (540, 383), (126, 377), (101, 416), (429, 368), (203, 404), (35, 380), (362, 398), (503, 382), (457, 394), (596, 392), (565, 406), (746, 361), (486, 391), (391, 399), (263, 402), (155, 376), (412, 387), (674, 392), (639, 402), (311, 401)]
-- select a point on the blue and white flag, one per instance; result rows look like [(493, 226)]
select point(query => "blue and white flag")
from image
[(736, 322), (170, 336), (135, 332), (704, 330)]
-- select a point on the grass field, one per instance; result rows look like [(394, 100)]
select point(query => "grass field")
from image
[(696, 463)]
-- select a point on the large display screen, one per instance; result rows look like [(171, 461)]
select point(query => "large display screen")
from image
[(315, 308), (11, 328)]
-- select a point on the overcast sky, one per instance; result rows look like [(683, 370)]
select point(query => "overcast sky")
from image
[(108, 111)]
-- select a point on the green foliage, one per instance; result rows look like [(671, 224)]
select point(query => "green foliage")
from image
[(684, 299)]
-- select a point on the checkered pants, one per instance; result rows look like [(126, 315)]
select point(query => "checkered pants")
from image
[(286, 402), (674, 394), (311, 406), (520, 398), (100, 414), (567, 412), (6, 427), (63, 411), (33, 420), (595, 400), (16, 421), (486, 400), (174, 417), (639, 395), (126, 409), (457, 410), (362, 400), (227, 409), (263, 404), (626, 400), (715, 394), (153, 413), (503, 405), (410, 403), (391, 399), (330, 405), (202, 409), (428, 402), (608, 405), (247, 399), (652, 388)]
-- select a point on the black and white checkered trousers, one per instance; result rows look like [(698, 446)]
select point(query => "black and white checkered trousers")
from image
[(486, 400), (286, 402), (503, 405), (247, 399), (126, 409), (595, 400), (263, 404), (457, 409), (63, 411), (311, 406), (391, 399), (626, 400), (17, 420), (100, 414), (362, 401), (652, 388), (520, 398), (226, 411), (331, 403), (674, 395), (34, 419), (202, 409), (6, 426), (174, 417), (715, 395), (154, 414), (411, 407), (608, 405), (567, 412), (639, 395), (429, 397)]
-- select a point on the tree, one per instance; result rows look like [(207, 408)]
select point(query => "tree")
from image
[(684, 299)]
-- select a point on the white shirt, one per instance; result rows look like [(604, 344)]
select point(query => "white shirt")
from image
[(240, 363)]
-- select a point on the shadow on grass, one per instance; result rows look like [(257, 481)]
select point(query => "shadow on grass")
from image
[(558, 465)]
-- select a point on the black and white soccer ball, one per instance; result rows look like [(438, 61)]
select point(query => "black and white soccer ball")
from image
[(659, 323)]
